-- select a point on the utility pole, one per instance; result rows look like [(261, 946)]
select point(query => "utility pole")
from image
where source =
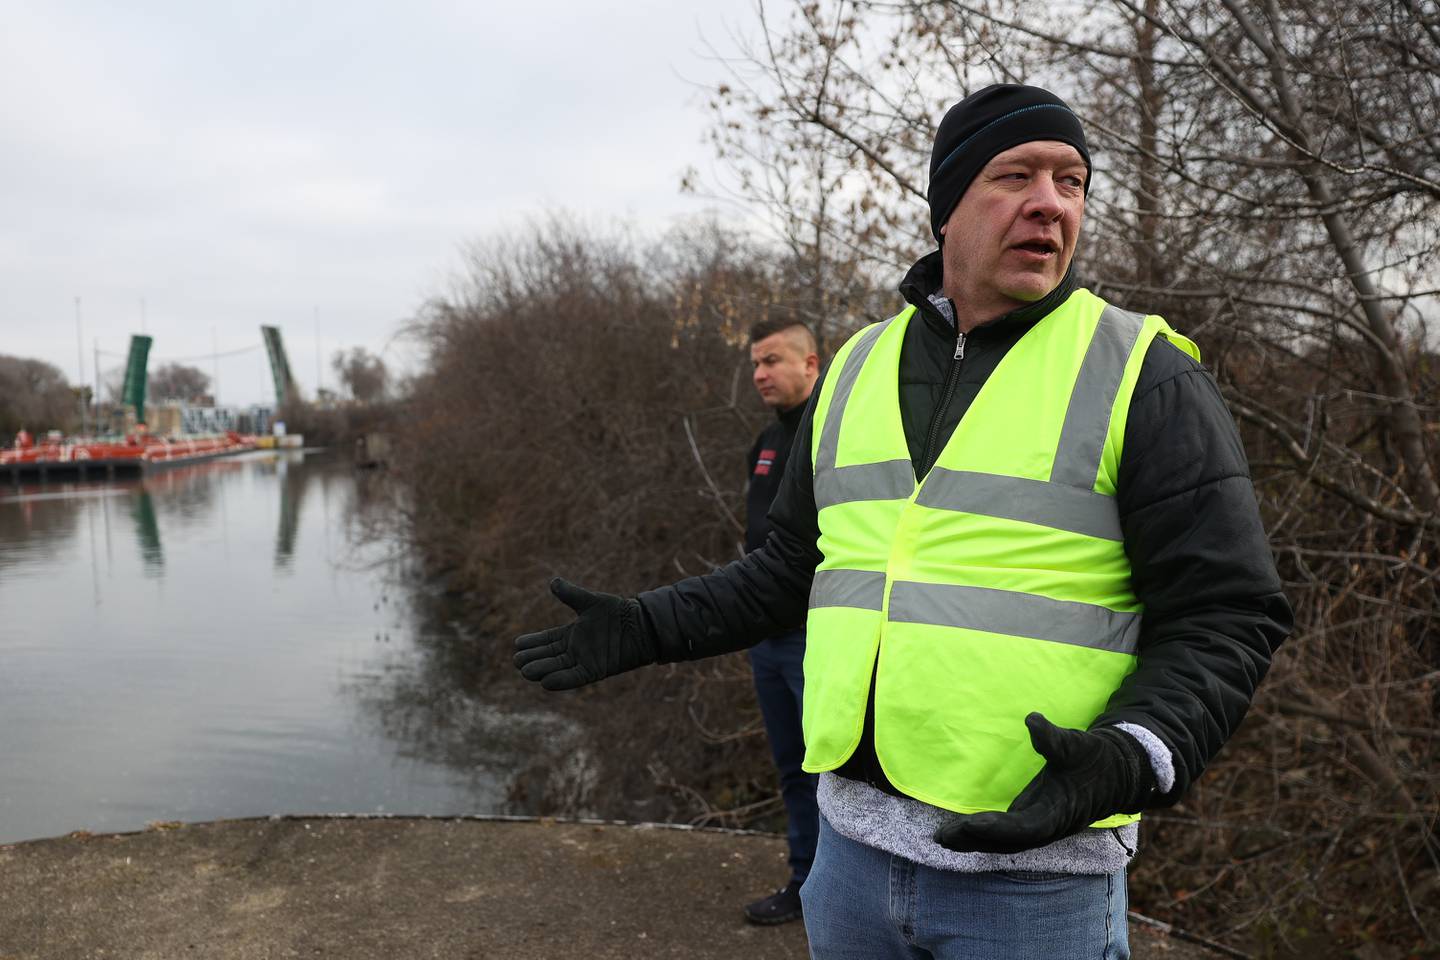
[(80, 358), (215, 363), (317, 356), (97, 384)]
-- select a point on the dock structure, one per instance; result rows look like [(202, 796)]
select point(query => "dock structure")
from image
[(103, 460), (88, 458), (45, 472)]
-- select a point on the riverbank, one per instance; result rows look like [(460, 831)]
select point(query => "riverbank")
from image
[(383, 888)]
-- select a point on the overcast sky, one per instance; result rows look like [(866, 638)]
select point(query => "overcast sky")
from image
[(205, 168)]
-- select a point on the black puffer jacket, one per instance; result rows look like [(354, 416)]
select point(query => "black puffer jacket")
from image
[(1214, 613), (767, 461)]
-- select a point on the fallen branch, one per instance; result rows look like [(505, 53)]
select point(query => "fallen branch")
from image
[(1174, 932)]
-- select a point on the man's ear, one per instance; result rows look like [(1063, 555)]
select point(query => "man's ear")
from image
[(812, 364)]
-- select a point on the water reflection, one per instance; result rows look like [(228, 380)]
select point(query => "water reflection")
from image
[(292, 499), (186, 495), (437, 696), (256, 651), (147, 534), (437, 702)]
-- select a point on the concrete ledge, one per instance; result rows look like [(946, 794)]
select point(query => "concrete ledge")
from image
[(388, 888)]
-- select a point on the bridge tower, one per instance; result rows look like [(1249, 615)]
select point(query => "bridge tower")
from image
[(285, 388)]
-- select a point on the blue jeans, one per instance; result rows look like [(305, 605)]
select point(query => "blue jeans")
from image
[(866, 904), (779, 665)]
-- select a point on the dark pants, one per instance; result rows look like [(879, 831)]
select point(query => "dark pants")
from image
[(780, 685)]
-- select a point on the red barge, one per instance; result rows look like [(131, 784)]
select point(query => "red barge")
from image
[(81, 458)]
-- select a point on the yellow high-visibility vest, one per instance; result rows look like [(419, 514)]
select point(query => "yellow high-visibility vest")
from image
[(996, 587)]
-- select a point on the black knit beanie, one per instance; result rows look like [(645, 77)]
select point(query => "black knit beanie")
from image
[(988, 122)]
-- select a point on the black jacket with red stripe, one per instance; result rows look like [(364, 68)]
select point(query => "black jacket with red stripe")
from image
[(767, 461), (1202, 567)]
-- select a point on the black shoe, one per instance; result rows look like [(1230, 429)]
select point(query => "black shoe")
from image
[(782, 906)]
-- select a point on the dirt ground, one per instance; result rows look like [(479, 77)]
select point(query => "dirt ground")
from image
[(387, 888)]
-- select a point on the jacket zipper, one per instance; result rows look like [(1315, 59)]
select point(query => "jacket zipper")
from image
[(951, 382)]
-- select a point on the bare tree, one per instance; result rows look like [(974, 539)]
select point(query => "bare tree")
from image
[(176, 381), (34, 395), (363, 374)]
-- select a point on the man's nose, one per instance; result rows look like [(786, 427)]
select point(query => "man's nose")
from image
[(1043, 200)]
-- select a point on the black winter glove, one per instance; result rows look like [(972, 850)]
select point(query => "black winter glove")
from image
[(1088, 776), (607, 638)]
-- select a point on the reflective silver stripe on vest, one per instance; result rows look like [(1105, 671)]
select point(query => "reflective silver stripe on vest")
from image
[(1015, 614), (886, 480), (889, 480), (1016, 498), (1087, 419), (864, 589)]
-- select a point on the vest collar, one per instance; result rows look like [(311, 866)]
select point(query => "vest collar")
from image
[(926, 276)]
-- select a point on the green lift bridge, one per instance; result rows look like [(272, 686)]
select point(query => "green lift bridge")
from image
[(285, 388), (133, 391)]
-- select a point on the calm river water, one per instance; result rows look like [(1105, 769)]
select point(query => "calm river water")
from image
[(223, 640)]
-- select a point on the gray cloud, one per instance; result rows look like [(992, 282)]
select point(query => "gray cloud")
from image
[(239, 164)]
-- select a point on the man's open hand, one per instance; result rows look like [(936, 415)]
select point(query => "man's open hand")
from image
[(608, 637)]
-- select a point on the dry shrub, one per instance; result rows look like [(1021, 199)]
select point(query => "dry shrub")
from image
[(586, 413)]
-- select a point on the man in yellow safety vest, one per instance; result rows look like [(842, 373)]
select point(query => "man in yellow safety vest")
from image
[(1019, 529)]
